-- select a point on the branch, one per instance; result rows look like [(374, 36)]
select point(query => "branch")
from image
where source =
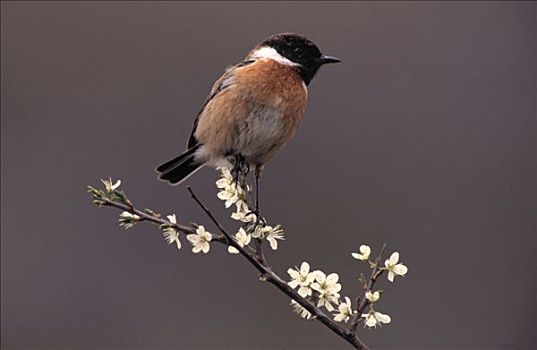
[(375, 273), (270, 276), (153, 218), (103, 198)]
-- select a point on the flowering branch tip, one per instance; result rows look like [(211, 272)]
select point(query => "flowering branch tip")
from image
[(310, 290)]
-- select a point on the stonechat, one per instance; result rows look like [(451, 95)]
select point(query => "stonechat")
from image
[(253, 109)]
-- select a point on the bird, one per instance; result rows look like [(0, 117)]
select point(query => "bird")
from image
[(252, 111)]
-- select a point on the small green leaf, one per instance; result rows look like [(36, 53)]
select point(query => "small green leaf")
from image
[(94, 191), (193, 224), (362, 281), (98, 202), (152, 212), (122, 197)]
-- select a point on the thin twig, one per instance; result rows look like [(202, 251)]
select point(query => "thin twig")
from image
[(270, 276), (258, 247), (229, 238), (375, 273), (155, 219)]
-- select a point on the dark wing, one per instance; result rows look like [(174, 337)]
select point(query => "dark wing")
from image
[(223, 82)]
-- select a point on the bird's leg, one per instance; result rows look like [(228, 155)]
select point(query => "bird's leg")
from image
[(257, 191), (239, 168), (236, 167), (260, 221)]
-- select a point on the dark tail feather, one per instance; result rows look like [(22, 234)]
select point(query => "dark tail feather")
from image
[(179, 168), (177, 160)]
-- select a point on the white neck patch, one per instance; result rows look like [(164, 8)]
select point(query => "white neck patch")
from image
[(270, 53)]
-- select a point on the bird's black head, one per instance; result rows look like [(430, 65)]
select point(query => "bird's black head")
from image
[(301, 52)]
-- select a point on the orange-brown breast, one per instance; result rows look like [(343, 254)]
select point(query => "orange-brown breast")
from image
[(256, 115)]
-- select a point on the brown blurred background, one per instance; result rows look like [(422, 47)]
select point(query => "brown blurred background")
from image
[(423, 137)]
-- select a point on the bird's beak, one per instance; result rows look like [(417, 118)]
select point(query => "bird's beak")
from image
[(329, 59)]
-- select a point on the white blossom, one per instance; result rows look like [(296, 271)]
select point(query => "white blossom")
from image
[(128, 220), (365, 251), (273, 234), (200, 240), (374, 319), (230, 192), (171, 235), (327, 300), (302, 278), (300, 310), (243, 213), (269, 233), (225, 180), (230, 195), (328, 289), (345, 311), (242, 239), (372, 296), (394, 268), (109, 185)]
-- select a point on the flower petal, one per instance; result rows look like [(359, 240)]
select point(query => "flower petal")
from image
[(273, 243), (304, 291), (370, 321), (316, 286), (400, 269), (332, 278), (390, 276), (172, 219), (116, 185), (293, 284), (382, 318), (232, 250), (309, 279), (319, 276), (339, 317), (293, 273), (304, 268)]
